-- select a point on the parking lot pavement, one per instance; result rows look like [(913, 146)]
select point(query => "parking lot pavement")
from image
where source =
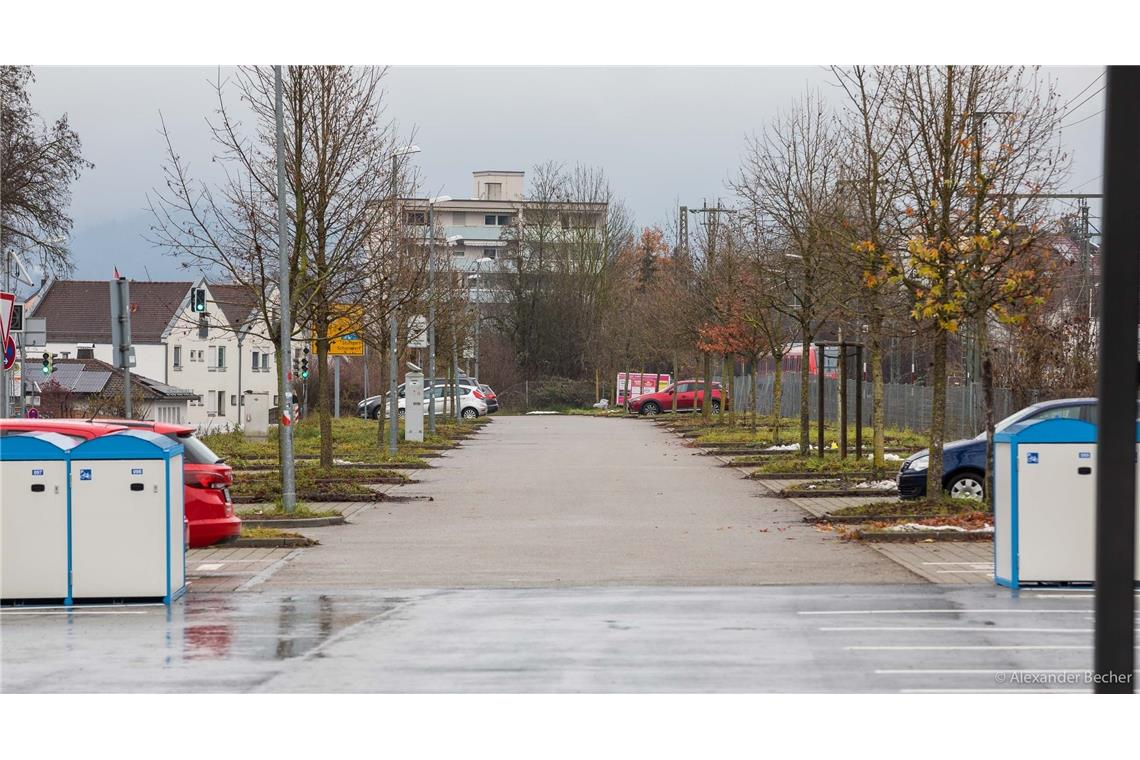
[(821, 505), (818, 638), (228, 568), (953, 562)]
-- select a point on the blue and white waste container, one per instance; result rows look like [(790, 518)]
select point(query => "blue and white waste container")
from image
[(127, 518), (34, 517), (1045, 503)]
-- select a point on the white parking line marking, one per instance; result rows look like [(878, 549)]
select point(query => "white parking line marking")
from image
[(73, 612), (1010, 690), (208, 566), (978, 628), (942, 612), (972, 671), (974, 564), (971, 647), (979, 571)]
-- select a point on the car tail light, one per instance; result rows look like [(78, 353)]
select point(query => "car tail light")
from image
[(478, 395), (204, 479)]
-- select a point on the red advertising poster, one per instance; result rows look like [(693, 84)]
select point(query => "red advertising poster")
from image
[(640, 383)]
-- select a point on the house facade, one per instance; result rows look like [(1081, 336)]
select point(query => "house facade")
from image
[(221, 354)]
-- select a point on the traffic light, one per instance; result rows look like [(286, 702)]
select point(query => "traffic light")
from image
[(49, 364), (199, 299), (305, 364)]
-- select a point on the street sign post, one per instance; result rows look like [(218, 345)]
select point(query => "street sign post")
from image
[(121, 335)]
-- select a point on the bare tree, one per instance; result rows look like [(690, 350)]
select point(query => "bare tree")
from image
[(789, 176), (37, 166)]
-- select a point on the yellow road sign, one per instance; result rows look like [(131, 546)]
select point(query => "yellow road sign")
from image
[(346, 329)]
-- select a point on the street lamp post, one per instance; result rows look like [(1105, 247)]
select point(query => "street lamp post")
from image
[(431, 305), (393, 401)]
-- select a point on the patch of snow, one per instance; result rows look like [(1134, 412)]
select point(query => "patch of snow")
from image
[(877, 485), (344, 461), (887, 457), (785, 447), (542, 413)]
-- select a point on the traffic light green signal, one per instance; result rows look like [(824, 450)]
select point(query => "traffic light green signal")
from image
[(48, 365), (305, 364), (199, 299)]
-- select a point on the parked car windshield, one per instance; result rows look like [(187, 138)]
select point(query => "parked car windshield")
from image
[(194, 451)]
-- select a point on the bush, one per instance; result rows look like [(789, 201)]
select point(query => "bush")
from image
[(551, 394)]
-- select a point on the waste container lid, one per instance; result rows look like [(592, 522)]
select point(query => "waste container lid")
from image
[(1055, 430), (26, 446), (128, 444)]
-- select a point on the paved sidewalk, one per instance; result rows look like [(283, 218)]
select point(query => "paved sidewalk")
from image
[(227, 568), (946, 562)]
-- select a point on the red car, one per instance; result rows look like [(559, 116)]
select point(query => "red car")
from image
[(690, 395), (209, 511)]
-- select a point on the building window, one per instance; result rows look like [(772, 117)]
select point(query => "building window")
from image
[(221, 396), (213, 364), (415, 217), (504, 220), (222, 358), (211, 402), (256, 364), (178, 357), (84, 353), (203, 326), (489, 219), (233, 399), (275, 400), (494, 190), (489, 253), (265, 362)]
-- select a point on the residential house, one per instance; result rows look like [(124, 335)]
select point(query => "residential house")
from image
[(222, 354), (94, 388)]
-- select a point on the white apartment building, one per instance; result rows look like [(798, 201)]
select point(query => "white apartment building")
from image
[(222, 354)]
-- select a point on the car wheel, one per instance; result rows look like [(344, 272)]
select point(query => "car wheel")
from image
[(470, 413), (401, 412), (968, 485), (716, 407), (650, 408)]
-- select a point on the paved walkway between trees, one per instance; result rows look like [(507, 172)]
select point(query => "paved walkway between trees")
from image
[(578, 501)]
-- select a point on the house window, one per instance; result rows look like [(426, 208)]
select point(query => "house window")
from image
[(489, 253), (213, 365), (256, 364), (178, 357), (415, 217), (221, 357), (494, 190), (203, 326), (221, 397), (233, 399), (489, 219), (275, 400), (211, 402), (84, 353), (504, 220), (265, 362)]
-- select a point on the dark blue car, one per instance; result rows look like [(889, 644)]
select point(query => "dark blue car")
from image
[(964, 462)]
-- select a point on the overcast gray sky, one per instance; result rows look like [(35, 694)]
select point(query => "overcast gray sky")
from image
[(661, 134)]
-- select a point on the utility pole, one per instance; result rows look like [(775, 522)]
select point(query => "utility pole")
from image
[(285, 331), (431, 319)]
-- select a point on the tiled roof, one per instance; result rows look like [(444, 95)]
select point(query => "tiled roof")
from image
[(237, 302), (80, 310)]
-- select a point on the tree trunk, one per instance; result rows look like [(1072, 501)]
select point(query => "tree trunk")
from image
[(324, 387), (988, 392), (937, 415), (805, 400), (675, 380), (706, 395), (777, 396), (877, 412)]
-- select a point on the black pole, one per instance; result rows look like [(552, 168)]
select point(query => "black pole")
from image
[(1116, 385), (842, 416), (859, 402), (819, 371)]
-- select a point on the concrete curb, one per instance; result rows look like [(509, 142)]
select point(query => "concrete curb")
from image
[(283, 542), (288, 522), (915, 537)]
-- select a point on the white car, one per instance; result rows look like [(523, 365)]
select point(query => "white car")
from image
[(472, 403)]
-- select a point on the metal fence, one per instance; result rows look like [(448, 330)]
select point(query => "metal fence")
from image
[(904, 406)]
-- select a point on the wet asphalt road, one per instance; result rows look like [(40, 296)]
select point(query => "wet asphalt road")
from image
[(734, 639)]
